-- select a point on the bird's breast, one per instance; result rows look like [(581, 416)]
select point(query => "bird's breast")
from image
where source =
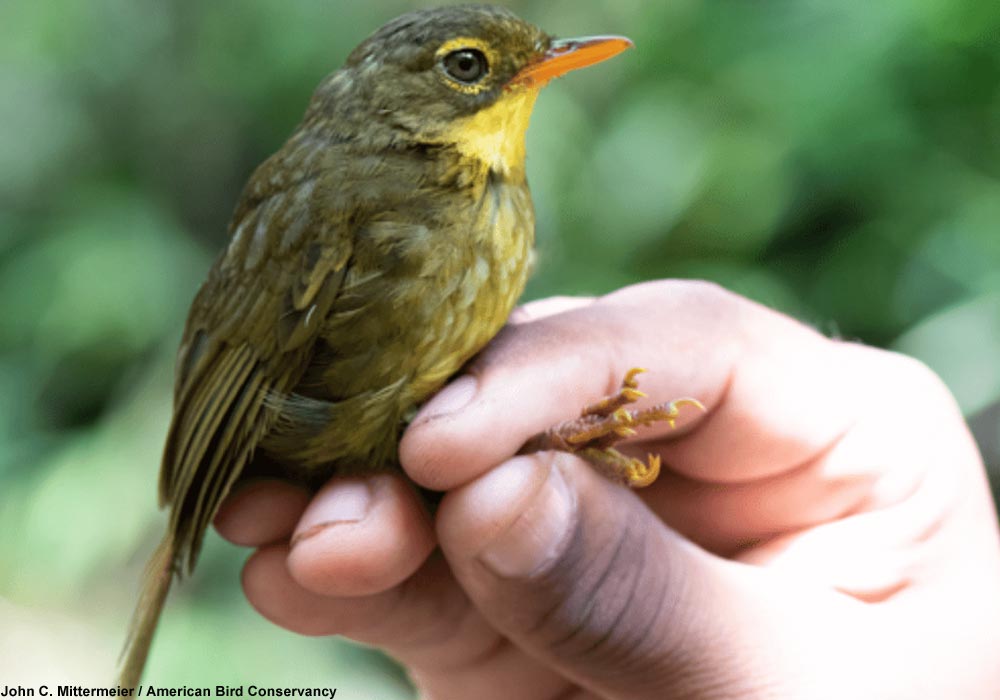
[(489, 279), (420, 299)]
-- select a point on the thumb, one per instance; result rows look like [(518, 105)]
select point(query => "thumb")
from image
[(581, 575)]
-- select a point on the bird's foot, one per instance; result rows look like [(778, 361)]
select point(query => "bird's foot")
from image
[(603, 424)]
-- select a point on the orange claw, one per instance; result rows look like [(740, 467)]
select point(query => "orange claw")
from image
[(607, 422), (642, 475), (630, 376), (676, 405)]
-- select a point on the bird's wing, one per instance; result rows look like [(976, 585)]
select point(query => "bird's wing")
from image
[(249, 336)]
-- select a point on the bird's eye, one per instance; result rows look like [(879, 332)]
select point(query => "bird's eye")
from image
[(466, 65)]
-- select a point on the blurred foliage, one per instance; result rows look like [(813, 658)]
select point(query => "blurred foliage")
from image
[(838, 161)]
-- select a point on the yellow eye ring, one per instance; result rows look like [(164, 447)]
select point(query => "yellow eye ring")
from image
[(469, 53), (467, 66)]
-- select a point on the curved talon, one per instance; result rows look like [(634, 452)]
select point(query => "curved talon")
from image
[(643, 474), (688, 401), (632, 395), (608, 421), (675, 408), (629, 380)]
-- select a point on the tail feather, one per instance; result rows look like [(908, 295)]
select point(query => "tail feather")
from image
[(155, 586)]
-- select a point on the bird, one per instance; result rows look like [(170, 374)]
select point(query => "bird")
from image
[(376, 252)]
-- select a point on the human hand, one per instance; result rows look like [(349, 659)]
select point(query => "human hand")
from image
[(823, 530)]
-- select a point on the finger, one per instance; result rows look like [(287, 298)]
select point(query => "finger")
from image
[(927, 493), (427, 623), (261, 512), (275, 594), (541, 308), (878, 462), (582, 575), (754, 370), (360, 536)]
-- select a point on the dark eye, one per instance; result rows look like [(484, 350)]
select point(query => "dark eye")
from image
[(466, 65)]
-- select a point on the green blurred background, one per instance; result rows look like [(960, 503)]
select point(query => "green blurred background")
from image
[(838, 161)]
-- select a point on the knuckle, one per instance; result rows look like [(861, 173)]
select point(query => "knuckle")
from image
[(914, 383), (703, 291), (920, 376), (906, 387)]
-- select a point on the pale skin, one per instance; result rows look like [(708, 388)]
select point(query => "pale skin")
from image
[(824, 529)]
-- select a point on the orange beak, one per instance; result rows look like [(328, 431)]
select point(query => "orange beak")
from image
[(569, 54)]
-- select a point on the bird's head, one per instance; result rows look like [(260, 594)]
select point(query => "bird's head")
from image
[(463, 76)]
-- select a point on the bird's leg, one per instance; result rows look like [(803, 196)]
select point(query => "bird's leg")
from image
[(607, 422)]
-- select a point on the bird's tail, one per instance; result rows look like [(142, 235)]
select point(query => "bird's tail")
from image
[(155, 585)]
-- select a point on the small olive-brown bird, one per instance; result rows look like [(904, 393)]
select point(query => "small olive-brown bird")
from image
[(370, 257)]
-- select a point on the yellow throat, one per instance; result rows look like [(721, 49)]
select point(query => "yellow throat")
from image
[(495, 135)]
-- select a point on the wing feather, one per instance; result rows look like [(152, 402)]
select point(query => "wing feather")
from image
[(213, 394), (250, 335), (241, 431)]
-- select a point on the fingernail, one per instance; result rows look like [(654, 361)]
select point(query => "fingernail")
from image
[(454, 397), (538, 535), (343, 501)]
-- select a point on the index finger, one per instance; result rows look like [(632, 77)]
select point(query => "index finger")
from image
[(776, 391)]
